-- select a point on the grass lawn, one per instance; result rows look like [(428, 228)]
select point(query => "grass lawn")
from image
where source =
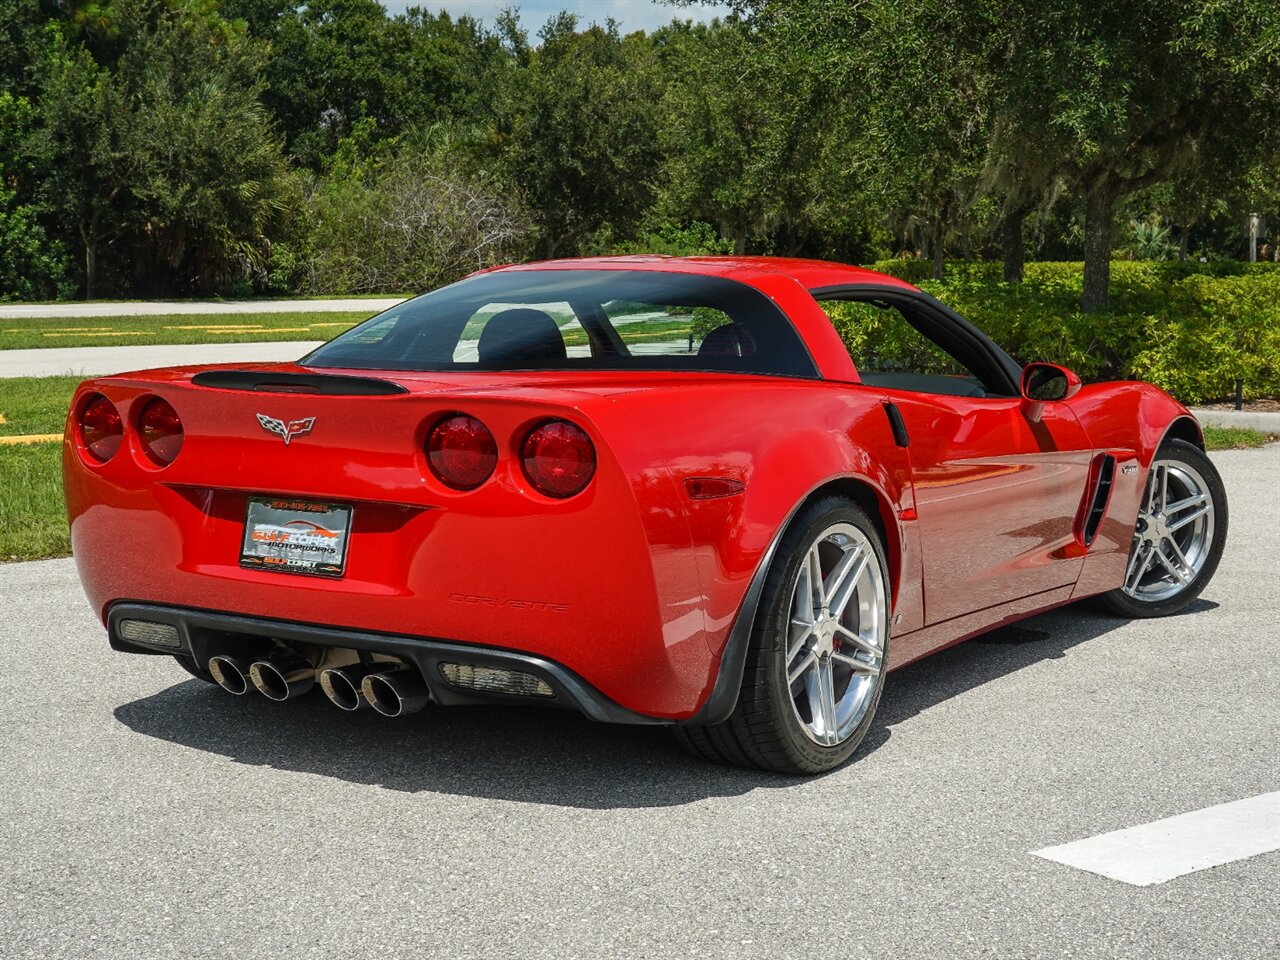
[(33, 519), (33, 405), (1236, 438), (33, 524), (29, 332)]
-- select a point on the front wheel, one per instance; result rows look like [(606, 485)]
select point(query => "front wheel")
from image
[(1179, 534), (816, 664)]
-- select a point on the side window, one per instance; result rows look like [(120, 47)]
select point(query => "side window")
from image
[(890, 352)]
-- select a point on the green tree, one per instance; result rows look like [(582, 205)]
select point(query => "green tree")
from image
[(1119, 95), (33, 265), (86, 147), (908, 106), (580, 133), (161, 149)]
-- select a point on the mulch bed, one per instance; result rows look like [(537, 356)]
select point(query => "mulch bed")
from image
[(1250, 406)]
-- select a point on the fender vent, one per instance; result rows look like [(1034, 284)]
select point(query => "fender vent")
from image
[(1106, 475)]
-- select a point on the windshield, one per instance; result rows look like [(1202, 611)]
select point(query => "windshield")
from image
[(578, 320)]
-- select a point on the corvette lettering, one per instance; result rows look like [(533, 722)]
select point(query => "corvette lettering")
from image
[(510, 602), (287, 431)]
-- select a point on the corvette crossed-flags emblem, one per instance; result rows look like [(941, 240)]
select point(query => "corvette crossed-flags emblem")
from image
[(287, 431)]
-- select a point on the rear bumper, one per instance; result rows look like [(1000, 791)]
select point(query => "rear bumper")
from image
[(203, 634)]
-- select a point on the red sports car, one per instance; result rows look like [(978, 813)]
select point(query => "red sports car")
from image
[(725, 495)]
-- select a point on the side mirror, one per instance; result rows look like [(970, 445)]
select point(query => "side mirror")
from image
[(1046, 383), (1042, 382)]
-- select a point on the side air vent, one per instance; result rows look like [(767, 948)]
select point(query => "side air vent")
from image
[(1106, 475), (270, 381)]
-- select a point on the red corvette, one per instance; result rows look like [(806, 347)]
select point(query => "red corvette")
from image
[(727, 495)]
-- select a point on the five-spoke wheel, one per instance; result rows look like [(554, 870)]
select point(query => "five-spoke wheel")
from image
[(1174, 532), (835, 651), (816, 663), (1178, 535)]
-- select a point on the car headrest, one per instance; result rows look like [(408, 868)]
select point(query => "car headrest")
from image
[(520, 335), (728, 340)]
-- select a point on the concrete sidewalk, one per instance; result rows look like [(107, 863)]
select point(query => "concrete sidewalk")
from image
[(153, 308), (101, 361), (1266, 421)]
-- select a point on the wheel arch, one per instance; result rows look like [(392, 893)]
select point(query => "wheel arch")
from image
[(876, 505), (857, 489), (1185, 428)]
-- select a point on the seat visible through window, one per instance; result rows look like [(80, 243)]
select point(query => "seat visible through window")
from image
[(728, 340), (520, 336)]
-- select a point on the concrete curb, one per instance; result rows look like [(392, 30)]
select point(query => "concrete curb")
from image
[(1251, 420)]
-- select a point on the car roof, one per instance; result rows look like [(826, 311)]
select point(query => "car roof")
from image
[(811, 274)]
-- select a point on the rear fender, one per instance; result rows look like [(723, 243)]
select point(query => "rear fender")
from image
[(785, 450)]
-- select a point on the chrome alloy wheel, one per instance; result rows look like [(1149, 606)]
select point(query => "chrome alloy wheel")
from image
[(836, 638), (1174, 534)]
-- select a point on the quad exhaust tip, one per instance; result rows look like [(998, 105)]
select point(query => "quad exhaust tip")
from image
[(231, 675), (392, 692), (396, 693), (342, 685), (282, 676)]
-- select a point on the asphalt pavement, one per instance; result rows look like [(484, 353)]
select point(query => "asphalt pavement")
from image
[(146, 814)]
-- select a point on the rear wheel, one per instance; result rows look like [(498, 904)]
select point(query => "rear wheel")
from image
[(815, 667), (1179, 535)]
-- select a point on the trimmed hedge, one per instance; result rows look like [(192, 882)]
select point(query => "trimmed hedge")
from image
[(1190, 328)]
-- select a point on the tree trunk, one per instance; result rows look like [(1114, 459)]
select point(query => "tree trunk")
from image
[(1014, 249), (1098, 210), (939, 249), (90, 265), (1184, 241)]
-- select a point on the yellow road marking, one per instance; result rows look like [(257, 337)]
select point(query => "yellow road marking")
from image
[(31, 438), (102, 333), (217, 327), (74, 329), (340, 323)]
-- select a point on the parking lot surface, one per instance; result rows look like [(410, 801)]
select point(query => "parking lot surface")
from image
[(146, 814)]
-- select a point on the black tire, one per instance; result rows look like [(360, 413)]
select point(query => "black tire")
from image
[(763, 730), (189, 665), (1123, 604)]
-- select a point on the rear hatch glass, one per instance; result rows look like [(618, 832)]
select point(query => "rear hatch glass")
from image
[(578, 319)]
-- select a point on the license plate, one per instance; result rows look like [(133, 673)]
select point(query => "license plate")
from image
[(296, 536)]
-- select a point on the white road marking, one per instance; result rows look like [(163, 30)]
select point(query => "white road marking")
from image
[(1159, 851)]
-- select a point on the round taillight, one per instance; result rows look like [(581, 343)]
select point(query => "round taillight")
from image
[(101, 429), (161, 431), (461, 451), (558, 458)]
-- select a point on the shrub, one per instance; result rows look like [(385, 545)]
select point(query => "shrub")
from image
[(1189, 328), (33, 266), (410, 222)]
